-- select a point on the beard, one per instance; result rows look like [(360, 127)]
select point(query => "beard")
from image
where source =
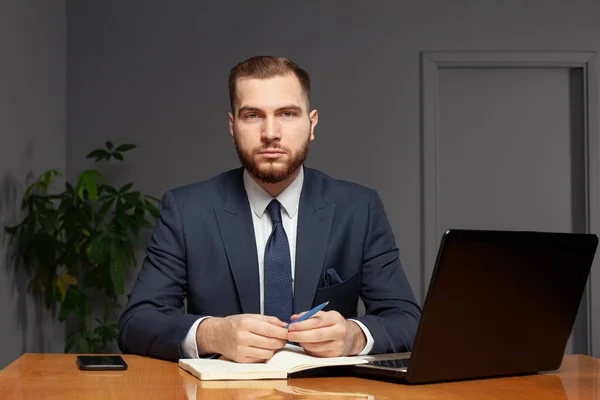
[(272, 171)]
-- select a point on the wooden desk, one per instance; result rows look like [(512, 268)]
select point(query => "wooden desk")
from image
[(56, 376)]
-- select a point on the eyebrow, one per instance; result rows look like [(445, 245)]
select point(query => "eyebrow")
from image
[(290, 107)]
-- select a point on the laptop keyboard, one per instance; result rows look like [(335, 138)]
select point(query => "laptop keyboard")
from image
[(397, 363)]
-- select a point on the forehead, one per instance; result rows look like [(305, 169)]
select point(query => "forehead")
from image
[(269, 93)]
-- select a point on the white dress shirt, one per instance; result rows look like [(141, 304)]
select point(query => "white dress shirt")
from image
[(259, 200)]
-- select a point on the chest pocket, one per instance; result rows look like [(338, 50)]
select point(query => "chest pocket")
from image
[(342, 297)]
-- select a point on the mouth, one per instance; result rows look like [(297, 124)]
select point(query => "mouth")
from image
[(271, 153)]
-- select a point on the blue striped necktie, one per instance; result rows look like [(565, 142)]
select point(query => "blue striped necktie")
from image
[(277, 269)]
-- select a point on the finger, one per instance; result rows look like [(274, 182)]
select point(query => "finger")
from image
[(319, 320), (245, 353), (263, 342), (267, 329), (311, 323), (317, 335), (296, 316), (320, 347), (258, 353), (269, 319)]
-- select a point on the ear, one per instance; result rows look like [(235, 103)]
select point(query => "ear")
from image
[(314, 120), (231, 125)]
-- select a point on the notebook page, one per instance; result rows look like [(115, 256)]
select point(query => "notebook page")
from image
[(293, 359)]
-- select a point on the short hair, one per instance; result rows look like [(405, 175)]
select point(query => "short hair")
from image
[(263, 67)]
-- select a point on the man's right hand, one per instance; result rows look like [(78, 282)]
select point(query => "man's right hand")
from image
[(246, 338)]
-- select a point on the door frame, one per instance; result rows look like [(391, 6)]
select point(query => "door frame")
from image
[(431, 63)]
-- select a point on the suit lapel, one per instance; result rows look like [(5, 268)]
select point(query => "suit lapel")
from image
[(314, 223), (237, 233)]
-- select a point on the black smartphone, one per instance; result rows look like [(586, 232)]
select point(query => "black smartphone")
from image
[(101, 363)]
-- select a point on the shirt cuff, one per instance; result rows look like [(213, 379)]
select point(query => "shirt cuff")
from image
[(189, 347), (370, 340)]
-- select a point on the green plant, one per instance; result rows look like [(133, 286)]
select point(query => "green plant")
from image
[(76, 244)]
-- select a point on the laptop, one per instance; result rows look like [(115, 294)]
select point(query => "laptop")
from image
[(500, 303)]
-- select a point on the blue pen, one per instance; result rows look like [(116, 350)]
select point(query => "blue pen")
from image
[(309, 314)]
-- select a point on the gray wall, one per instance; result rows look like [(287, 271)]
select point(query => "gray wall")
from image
[(155, 74), (32, 139)]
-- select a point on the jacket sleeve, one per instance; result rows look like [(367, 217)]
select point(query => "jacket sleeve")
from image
[(391, 312), (154, 322)]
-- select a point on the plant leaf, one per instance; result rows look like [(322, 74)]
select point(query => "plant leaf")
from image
[(62, 289), (90, 184), (125, 147), (47, 179), (84, 346), (78, 190), (95, 250), (125, 188), (116, 270), (87, 180), (42, 182), (151, 209), (106, 196), (30, 189), (68, 279), (134, 199), (62, 283), (110, 189), (70, 341), (106, 206), (98, 154), (73, 247), (67, 306)]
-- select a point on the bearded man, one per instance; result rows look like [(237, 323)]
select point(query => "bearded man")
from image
[(255, 247)]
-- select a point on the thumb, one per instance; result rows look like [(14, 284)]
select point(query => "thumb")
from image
[(296, 316)]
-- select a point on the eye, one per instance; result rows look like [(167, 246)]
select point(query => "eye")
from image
[(251, 116), (288, 114)]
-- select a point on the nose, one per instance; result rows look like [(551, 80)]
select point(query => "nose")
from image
[(271, 130)]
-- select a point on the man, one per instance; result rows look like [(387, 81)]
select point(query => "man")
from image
[(253, 248)]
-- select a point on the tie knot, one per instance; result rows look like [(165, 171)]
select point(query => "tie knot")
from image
[(274, 209)]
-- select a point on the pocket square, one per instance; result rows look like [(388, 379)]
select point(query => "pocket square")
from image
[(332, 277)]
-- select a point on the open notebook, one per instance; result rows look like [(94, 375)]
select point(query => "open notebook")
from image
[(286, 361)]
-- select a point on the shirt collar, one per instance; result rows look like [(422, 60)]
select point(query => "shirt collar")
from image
[(259, 198)]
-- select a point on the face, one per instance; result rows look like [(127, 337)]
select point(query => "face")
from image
[(271, 126)]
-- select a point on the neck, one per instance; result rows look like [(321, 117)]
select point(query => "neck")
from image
[(275, 189)]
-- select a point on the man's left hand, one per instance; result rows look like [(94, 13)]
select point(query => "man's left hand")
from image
[(327, 334)]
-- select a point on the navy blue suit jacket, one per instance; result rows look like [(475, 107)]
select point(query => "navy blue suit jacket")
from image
[(203, 249)]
